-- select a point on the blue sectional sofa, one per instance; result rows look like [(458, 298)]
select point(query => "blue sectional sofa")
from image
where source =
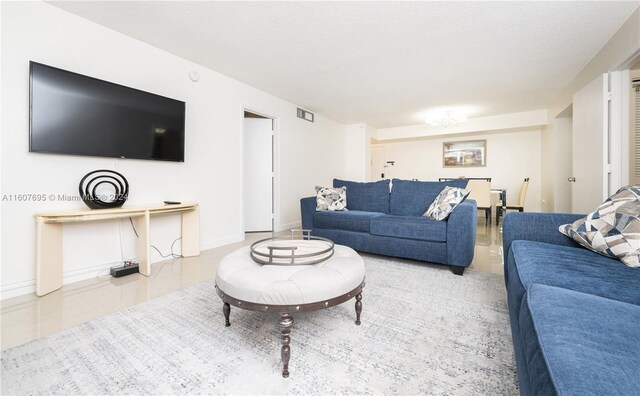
[(574, 314), (389, 222)]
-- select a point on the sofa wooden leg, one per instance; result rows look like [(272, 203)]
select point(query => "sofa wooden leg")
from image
[(457, 270)]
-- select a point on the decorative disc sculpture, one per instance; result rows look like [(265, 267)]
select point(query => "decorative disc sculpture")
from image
[(104, 189)]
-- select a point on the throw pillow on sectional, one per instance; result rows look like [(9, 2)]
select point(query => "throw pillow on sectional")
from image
[(613, 229), (331, 199), (445, 202)]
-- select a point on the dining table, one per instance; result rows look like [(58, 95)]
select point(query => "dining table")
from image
[(503, 197)]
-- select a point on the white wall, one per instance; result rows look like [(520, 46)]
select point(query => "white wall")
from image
[(547, 186), (511, 156), (557, 163), (370, 134), (622, 45), (618, 49), (307, 153), (501, 122), (358, 151)]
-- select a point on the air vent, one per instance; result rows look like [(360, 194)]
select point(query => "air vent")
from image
[(305, 115)]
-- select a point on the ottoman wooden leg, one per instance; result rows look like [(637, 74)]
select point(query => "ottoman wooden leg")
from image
[(226, 308), (358, 308), (285, 323)]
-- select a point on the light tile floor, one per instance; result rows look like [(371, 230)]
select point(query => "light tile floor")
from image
[(28, 317)]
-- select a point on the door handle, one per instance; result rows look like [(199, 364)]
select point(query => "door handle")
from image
[(572, 179)]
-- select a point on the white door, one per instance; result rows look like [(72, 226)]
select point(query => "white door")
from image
[(590, 143), (378, 160), (562, 129), (258, 174)]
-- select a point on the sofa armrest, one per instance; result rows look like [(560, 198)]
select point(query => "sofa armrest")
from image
[(461, 233), (539, 227), (307, 209)]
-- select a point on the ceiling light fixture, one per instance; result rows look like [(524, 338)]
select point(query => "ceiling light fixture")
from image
[(446, 118)]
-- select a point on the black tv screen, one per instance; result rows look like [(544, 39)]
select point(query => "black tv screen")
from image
[(79, 115)]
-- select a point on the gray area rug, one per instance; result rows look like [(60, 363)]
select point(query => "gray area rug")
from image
[(424, 331)]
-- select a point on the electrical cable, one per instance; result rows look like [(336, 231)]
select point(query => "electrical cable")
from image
[(108, 274), (134, 227), (120, 238), (171, 254)]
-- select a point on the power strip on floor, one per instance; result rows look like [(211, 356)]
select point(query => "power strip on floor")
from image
[(127, 269)]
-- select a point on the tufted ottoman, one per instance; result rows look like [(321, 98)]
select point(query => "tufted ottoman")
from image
[(286, 289)]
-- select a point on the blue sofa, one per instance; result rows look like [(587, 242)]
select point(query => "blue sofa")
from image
[(389, 222), (574, 314)]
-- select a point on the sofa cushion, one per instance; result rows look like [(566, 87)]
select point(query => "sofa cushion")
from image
[(353, 220), (571, 268), (613, 229), (579, 344), (412, 198), (410, 227), (368, 197)]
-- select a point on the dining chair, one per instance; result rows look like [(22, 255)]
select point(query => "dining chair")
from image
[(481, 193), (519, 205)]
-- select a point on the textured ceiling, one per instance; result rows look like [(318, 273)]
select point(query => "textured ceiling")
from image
[(383, 63)]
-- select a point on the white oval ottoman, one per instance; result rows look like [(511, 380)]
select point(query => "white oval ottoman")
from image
[(286, 289)]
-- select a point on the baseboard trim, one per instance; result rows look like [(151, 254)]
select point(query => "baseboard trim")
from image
[(17, 289), (288, 226), (222, 242), (28, 287), (87, 273)]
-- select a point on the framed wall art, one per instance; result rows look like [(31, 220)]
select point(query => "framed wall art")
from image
[(464, 154)]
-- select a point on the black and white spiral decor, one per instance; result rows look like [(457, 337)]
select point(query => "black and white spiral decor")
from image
[(104, 189)]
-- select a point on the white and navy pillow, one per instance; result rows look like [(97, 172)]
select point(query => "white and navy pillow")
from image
[(613, 230), (331, 199), (445, 202)]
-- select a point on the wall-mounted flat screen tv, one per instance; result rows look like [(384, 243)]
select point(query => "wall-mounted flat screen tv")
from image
[(79, 115)]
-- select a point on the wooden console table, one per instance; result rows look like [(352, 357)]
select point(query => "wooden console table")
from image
[(49, 237)]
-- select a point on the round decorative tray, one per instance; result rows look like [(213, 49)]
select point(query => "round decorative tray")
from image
[(294, 250)]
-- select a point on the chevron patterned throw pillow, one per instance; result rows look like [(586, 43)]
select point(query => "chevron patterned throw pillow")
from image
[(445, 202), (613, 230)]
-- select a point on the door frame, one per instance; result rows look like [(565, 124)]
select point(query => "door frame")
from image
[(275, 158)]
